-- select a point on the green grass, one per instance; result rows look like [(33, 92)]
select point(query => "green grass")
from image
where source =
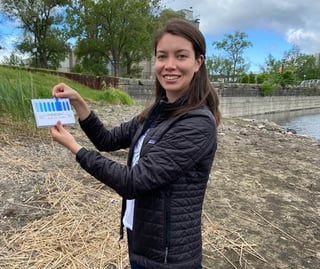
[(19, 86)]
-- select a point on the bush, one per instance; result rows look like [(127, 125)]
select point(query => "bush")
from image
[(244, 78), (115, 96), (261, 78), (267, 88), (287, 78), (251, 78)]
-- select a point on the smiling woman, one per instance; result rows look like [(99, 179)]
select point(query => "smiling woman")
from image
[(172, 147)]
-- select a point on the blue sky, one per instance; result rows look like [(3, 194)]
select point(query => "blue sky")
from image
[(273, 26)]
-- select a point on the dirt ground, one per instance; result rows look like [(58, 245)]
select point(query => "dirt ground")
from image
[(262, 205)]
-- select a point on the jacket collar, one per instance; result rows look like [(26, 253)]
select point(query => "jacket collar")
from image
[(162, 110), (172, 106)]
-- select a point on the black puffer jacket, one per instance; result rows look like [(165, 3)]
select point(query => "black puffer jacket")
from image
[(168, 183)]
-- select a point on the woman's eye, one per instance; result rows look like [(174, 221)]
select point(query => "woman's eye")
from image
[(182, 56), (161, 57)]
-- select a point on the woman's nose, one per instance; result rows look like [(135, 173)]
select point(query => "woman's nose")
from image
[(170, 63)]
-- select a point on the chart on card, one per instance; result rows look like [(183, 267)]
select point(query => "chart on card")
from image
[(48, 111)]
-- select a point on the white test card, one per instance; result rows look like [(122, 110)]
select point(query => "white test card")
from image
[(48, 111)]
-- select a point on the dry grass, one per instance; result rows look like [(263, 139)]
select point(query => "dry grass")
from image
[(82, 233), (82, 230)]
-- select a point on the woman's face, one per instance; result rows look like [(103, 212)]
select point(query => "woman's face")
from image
[(175, 65)]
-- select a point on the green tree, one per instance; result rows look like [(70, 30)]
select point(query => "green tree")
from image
[(292, 68), (41, 22), (303, 66), (219, 67), (0, 22), (118, 32), (233, 46), (13, 60), (307, 67), (168, 14), (261, 78), (276, 72), (251, 78), (243, 78), (271, 65), (290, 58)]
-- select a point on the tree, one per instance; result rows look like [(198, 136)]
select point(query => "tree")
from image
[(292, 68), (41, 22), (271, 65), (220, 67), (278, 73), (304, 66), (118, 32), (0, 22), (13, 60), (168, 14), (234, 46)]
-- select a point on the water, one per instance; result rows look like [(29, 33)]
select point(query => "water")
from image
[(304, 122), (307, 125)]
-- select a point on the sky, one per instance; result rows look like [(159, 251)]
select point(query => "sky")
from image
[(273, 26)]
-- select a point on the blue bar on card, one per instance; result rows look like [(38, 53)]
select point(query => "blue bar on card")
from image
[(58, 105), (64, 106)]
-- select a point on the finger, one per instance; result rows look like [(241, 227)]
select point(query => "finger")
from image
[(56, 90), (53, 131), (59, 126)]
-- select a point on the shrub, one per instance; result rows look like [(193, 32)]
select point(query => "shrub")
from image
[(267, 88), (244, 78), (251, 78), (115, 96), (261, 78)]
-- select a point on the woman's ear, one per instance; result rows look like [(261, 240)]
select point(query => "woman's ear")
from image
[(199, 61)]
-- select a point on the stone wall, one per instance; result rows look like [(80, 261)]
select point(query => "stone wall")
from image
[(239, 100), (249, 106), (141, 90)]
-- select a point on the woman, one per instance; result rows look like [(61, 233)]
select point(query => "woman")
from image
[(172, 147)]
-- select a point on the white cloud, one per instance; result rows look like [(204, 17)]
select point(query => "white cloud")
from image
[(296, 21), (306, 40)]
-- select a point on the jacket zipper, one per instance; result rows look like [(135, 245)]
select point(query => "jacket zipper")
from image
[(166, 255), (166, 224)]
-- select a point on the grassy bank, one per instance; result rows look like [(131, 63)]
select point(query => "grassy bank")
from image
[(19, 86)]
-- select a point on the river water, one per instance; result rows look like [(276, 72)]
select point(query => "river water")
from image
[(304, 122)]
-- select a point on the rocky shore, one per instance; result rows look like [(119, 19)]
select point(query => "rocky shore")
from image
[(262, 205)]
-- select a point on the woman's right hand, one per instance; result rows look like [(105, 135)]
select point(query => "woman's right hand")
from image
[(62, 90)]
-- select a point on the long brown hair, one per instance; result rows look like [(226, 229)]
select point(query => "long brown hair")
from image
[(201, 92)]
